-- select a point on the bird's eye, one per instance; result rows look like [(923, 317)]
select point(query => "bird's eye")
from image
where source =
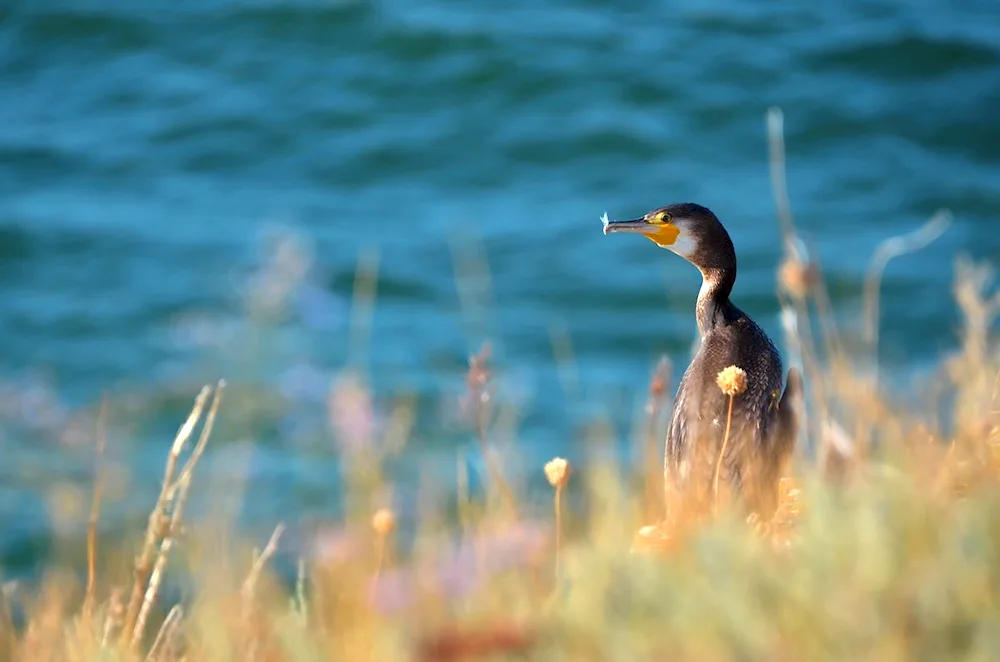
[(663, 217)]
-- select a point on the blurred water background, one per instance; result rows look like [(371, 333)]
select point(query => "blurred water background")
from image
[(187, 191)]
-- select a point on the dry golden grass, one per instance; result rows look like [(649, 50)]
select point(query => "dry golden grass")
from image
[(885, 546)]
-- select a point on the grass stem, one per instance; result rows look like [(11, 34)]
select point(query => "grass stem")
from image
[(722, 455)]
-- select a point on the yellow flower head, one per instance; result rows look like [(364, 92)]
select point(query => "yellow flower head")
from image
[(557, 471), (732, 380), (383, 521)]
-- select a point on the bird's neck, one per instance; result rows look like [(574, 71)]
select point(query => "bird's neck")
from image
[(713, 299)]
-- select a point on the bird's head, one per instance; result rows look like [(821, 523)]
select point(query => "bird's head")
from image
[(687, 229)]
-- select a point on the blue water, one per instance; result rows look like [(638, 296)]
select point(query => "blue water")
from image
[(167, 171)]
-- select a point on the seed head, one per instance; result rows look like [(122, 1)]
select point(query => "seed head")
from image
[(557, 471), (732, 380), (797, 278), (657, 385), (383, 521)]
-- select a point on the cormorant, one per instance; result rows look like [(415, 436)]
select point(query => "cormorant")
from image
[(763, 425)]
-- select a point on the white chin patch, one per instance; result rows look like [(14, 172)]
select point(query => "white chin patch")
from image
[(684, 246)]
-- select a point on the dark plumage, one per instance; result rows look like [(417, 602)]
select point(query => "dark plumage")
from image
[(764, 420)]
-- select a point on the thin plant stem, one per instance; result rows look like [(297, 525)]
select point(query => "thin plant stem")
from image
[(249, 587), (792, 243), (996, 390), (206, 432), (366, 281), (176, 496), (95, 511), (813, 373), (379, 556), (160, 566), (653, 478), (474, 284), (886, 251), (494, 471), (143, 564), (477, 379), (167, 630), (250, 583), (566, 364), (113, 617), (779, 188), (558, 509), (462, 494), (722, 454)]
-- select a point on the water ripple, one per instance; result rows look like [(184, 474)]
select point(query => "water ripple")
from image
[(143, 149)]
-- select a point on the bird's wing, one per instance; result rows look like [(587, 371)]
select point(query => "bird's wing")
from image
[(675, 433), (680, 430), (675, 437)]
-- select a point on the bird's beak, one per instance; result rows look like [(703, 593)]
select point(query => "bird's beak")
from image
[(638, 225), (662, 234)]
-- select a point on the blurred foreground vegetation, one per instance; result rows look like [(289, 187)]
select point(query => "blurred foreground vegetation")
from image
[(886, 545)]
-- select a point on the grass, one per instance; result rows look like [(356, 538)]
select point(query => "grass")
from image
[(885, 546)]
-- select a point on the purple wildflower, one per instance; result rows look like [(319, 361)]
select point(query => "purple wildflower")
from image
[(352, 415), (462, 568)]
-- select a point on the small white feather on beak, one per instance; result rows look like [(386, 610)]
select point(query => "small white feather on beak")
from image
[(605, 221)]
